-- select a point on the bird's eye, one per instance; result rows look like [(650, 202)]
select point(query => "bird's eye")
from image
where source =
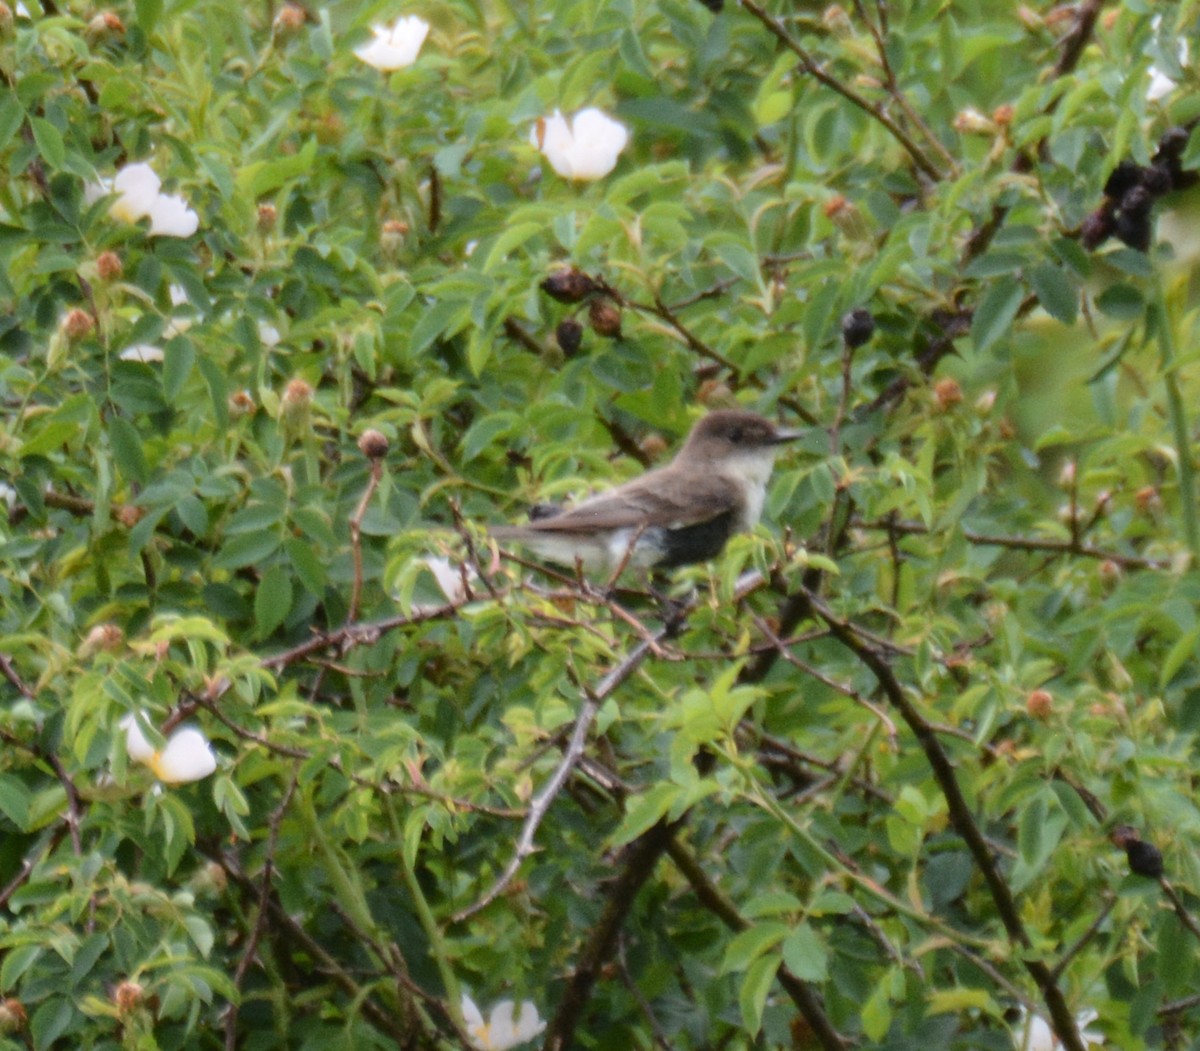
[(735, 435)]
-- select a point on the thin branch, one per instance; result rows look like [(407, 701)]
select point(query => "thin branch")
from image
[(960, 812), (818, 72)]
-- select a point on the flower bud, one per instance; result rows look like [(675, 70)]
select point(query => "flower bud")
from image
[(128, 515), (105, 24), (108, 266), (77, 324), (985, 402), (6, 19), (268, 214), (970, 121), (373, 444), (947, 393), (297, 395), (1147, 500), (653, 446), (241, 403), (1040, 704), (128, 996), (1003, 115), (715, 393), (12, 1015), (106, 637), (290, 19), (1066, 476)]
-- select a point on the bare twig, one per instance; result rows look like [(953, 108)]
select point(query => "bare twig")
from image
[(356, 537)]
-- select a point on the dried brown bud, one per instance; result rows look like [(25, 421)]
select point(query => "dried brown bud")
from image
[(268, 215), (568, 284), (106, 23), (395, 227), (241, 403), (569, 336), (373, 444), (1003, 115), (1040, 704), (605, 318), (108, 266), (107, 637), (128, 996), (1109, 572), (1147, 500), (653, 446), (714, 393), (291, 17), (297, 395), (128, 515), (835, 19), (12, 1015), (6, 19), (947, 393), (77, 324)]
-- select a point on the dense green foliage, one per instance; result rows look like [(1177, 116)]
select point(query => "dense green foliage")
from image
[(864, 787)]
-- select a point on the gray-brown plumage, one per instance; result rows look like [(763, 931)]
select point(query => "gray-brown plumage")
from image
[(674, 515)]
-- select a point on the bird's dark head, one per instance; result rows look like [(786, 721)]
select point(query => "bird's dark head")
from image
[(735, 434)]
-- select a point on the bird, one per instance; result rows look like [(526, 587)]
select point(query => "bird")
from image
[(675, 515)]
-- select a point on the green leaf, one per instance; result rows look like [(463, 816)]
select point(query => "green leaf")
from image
[(49, 142), (272, 600), (644, 811), (510, 240), (248, 549), (14, 800), (11, 117), (148, 13), (127, 449), (1183, 651), (752, 997), (996, 312), (748, 945), (805, 954), (1056, 292)]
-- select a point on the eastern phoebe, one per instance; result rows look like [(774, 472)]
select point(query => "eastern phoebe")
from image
[(671, 516)]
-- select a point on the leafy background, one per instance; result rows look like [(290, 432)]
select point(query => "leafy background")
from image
[(860, 796)]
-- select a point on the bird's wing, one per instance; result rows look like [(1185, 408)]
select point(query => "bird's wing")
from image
[(647, 502)]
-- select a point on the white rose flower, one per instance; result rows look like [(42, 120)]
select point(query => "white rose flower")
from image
[(138, 197), (501, 1031), (584, 148), (395, 46), (143, 352), (187, 757)]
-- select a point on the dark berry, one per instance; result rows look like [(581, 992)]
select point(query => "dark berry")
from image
[(1136, 201), (857, 327), (1157, 179), (1172, 143), (1096, 229), (569, 335), (605, 318), (568, 284), (715, 6), (1145, 859), (1133, 229), (1124, 178)]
